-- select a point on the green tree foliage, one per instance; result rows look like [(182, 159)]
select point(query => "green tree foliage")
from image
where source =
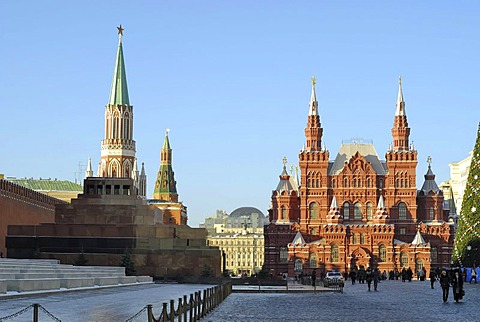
[(128, 263), (81, 259), (468, 231)]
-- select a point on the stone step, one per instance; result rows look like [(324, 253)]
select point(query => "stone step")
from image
[(55, 275)]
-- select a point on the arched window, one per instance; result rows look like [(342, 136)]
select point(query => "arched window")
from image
[(316, 183), (354, 182), (313, 260), (404, 260), (432, 213), (346, 210), (369, 184), (308, 183), (354, 239), (418, 265), (283, 215), (357, 213), (402, 211), (334, 183), (298, 265), (397, 183), (406, 183), (345, 183), (369, 211), (334, 253), (382, 251), (362, 238), (380, 183), (359, 182), (313, 210)]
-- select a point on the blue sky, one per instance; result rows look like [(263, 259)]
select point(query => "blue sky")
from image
[(231, 80)]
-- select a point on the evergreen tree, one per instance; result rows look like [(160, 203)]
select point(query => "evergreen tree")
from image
[(128, 263), (81, 259), (468, 231)]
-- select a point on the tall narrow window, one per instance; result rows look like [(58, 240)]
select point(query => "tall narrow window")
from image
[(369, 184), (402, 211), (358, 211), (354, 239), (284, 213), (298, 265), (313, 210), (404, 260), (362, 238), (345, 183), (369, 211), (313, 260), (334, 253), (382, 251), (432, 213), (346, 210)]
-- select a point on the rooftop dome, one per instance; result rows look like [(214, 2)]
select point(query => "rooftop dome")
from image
[(246, 211)]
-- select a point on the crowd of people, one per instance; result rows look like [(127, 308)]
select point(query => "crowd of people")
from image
[(451, 277)]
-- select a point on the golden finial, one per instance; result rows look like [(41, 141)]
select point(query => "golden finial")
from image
[(400, 80), (120, 30), (284, 161), (314, 80), (429, 160)]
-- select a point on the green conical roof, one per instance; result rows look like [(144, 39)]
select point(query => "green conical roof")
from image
[(119, 92), (166, 142)]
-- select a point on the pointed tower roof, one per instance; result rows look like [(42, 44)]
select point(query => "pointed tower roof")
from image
[(429, 184), (166, 186), (381, 203), (418, 239), (119, 91), (334, 204), (286, 184), (142, 173), (400, 102), (89, 172), (298, 240), (166, 141), (313, 106)]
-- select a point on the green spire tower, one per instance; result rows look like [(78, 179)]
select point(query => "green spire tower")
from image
[(468, 232), (119, 91), (166, 186)]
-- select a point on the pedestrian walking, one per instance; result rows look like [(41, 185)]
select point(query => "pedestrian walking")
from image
[(433, 276), (369, 277), (457, 284), (409, 274), (474, 276), (376, 278), (353, 275), (314, 276), (445, 284)]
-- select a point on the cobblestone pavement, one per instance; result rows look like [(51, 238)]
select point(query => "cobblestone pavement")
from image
[(394, 301), (100, 305)]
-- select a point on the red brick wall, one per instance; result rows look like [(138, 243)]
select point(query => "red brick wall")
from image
[(23, 206)]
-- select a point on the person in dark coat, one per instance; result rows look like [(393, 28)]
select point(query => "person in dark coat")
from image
[(457, 284), (353, 275), (369, 277), (361, 275), (314, 277), (445, 284), (404, 274), (409, 274), (433, 276), (376, 278)]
